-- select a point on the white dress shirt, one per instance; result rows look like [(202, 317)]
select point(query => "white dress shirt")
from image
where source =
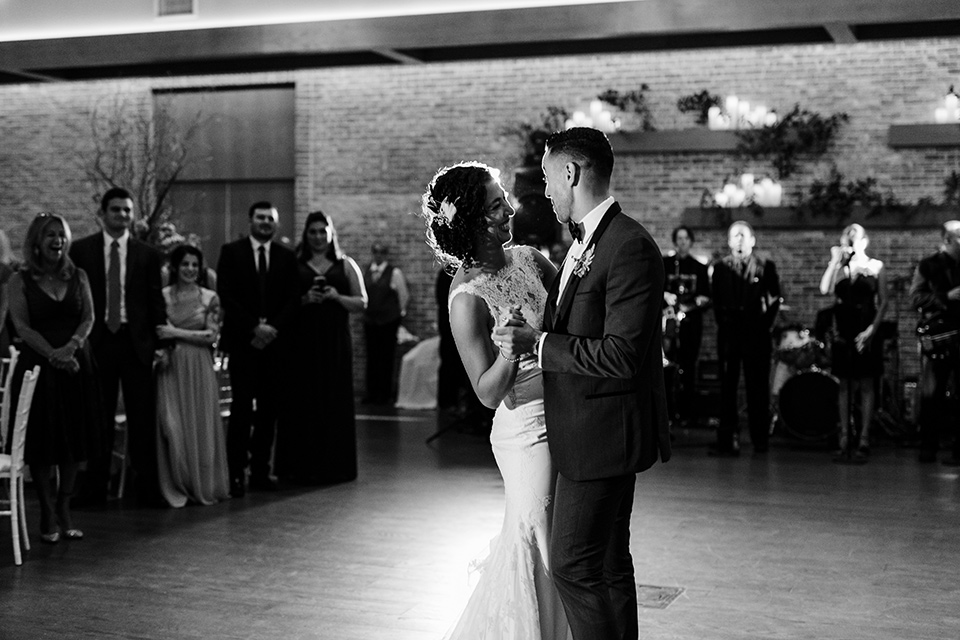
[(256, 249)]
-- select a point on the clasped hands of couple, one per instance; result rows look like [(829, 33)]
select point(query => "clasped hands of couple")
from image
[(515, 337)]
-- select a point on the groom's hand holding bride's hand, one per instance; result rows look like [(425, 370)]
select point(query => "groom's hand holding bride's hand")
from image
[(515, 337)]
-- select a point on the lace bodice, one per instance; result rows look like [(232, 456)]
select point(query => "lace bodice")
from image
[(518, 283)]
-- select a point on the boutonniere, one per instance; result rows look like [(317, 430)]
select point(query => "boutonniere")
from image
[(582, 266)]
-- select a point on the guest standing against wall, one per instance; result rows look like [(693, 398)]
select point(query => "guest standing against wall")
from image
[(257, 283), (386, 306), (191, 442), (52, 309), (317, 441), (6, 270), (128, 305)]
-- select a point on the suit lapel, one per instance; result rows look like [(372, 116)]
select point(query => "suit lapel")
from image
[(131, 260), (98, 279), (551, 309), (570, 290)]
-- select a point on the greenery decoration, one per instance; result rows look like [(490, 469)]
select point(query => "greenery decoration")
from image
[(631, 102), (800, 133), (534, 135), (951, 191), (836, 197), (700, 104)]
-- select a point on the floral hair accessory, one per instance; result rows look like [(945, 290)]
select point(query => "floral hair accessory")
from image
[(445, 214)]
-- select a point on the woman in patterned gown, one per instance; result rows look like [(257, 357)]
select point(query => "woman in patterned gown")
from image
[(52, 311), (468, 223), (191, 441)]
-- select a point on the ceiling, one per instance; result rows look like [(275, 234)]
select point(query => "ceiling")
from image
[(381, 32)]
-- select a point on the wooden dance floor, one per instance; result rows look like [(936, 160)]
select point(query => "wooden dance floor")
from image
[(784, 546)]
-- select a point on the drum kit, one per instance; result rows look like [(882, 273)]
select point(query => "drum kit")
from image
[(805, 394)]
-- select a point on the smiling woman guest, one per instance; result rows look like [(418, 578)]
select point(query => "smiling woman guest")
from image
[(191, 442), (316, 438), (52, 311)]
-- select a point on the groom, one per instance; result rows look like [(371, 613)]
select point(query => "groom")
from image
[(605, 404)]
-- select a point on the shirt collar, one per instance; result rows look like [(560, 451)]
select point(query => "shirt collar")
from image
[(257, 244), (121, 241), (592, 220)]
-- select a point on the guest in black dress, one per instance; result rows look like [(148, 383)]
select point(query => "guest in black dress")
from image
[(52, 310), (859, 284), (317, 438)]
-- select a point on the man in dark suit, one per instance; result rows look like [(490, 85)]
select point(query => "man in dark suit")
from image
[(258, 285), (746, 299), (604, 396), (128, 302)]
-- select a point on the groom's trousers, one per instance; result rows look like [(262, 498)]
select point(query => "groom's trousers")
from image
[(590, 554)]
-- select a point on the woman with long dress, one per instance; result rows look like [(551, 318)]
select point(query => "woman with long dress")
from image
[(317, 435), (52, 310), (859, 284), (191, 441), (468, 223)]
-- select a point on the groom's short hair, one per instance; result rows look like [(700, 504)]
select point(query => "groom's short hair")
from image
[(586, 146)]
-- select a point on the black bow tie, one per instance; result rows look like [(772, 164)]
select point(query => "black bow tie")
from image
[(576, 230)]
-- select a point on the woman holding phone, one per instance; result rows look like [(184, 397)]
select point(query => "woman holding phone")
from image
[(316, 438)]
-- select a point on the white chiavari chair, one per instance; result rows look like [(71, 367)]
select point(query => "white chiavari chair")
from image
[(12, 467)]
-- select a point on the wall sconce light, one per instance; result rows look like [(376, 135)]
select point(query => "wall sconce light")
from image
[(950, 111), (746, 190), (596, 117), (739, 114)]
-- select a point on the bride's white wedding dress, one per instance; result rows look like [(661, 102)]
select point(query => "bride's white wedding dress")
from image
[(515, 598)]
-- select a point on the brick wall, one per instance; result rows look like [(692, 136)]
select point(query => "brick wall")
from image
[(369, 138)]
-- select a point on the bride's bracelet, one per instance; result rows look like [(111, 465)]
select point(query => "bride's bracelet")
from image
[(517, 359)]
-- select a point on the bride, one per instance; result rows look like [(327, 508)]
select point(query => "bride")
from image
[(468, 224)]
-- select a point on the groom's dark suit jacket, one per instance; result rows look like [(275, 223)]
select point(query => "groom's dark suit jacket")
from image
[(143, 296), (605, 402)]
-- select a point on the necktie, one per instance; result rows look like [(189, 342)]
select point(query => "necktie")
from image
[(576, 230), (262, 273), (113, 288)]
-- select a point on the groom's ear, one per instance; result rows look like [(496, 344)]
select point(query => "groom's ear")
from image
[(574, 173)]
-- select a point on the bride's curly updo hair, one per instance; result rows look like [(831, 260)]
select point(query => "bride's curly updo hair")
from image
[(453, 208)]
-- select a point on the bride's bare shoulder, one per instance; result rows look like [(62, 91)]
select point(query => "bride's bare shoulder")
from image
[(462, 294)]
